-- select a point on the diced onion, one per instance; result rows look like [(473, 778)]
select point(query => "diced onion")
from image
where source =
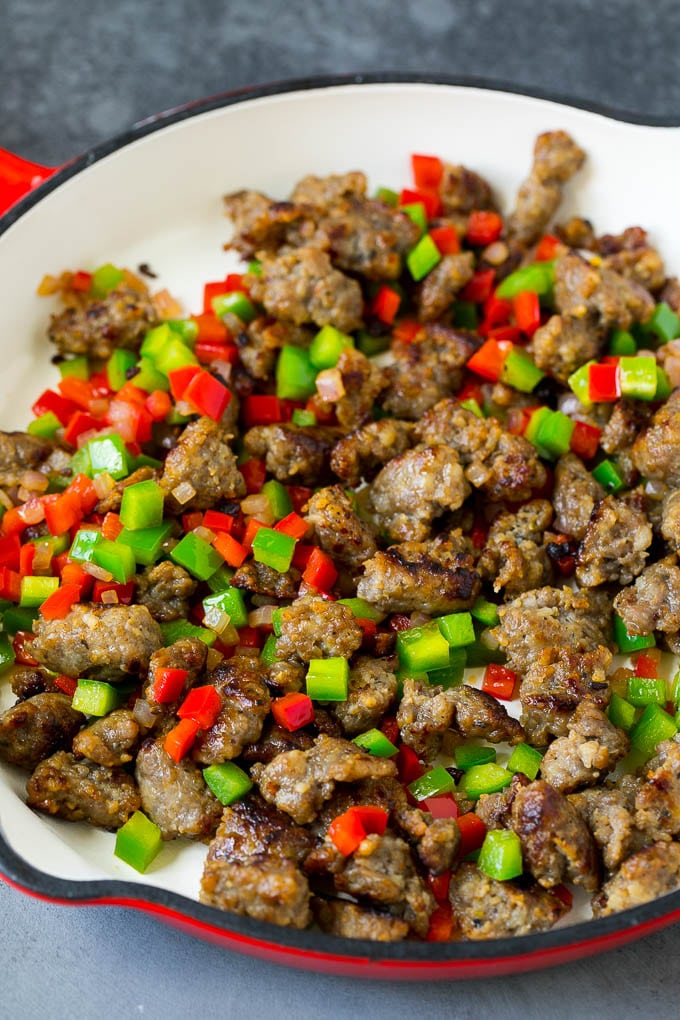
[(33, 512), (42, 558), (221, 368), (418, 618), (34, 481), (184, 407), (329, 384), (247, 650), (103, 484), (258, 506), (166, 305), (109, 597), (261, 617), (97, 572), (496, 253), (183, 492), (214, 659), (143, 713), (98, 407), (216, 619), (205, 533)]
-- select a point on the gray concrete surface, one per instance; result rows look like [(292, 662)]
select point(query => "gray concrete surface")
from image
[(73, 73)]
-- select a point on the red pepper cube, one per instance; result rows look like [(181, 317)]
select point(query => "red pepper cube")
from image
[(254, 472), (79, 422), (646, 666), (168, 684), (231, 551), (83, 488), (57, 404), (10, 547), (66, 684), (488, 361), (293, 711), (480, 286), (179, 379), (505, 334), (10, 584), (472, 832), (320, 571), (430, 199), (292, 525), (499, 681), (346, 832), (179, 739), (547, 248), (441, 807), (374, 819), (261, 409), (441, 924), (390, 727), (215, 520), (210, 328), (585, 440), (59, 604), (603, 382), (158, 404), (207, 395), (447, 241), (483, 227), (427, 171), (497, 311), (81, 281), (252, 528), (80, 391), (385, 304), (439, 885), (406, 330), (211, 290), (527, 311), (408, 765), (26, 557), (62, 512), (203, 705)]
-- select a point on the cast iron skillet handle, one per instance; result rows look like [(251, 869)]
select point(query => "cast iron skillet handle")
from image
[(18, 176)]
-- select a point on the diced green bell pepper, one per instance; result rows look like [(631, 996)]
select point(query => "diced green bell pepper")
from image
[(45, 425), (538, 277), (538, 417), (328, 679), (117, 367), (362, 609), (230, 601), (664, 387), (34, 590), (142, 505), (371, 345), (227, 781), (221, 579), (234, 303), (303, 418), (268, 653), (156, 339), (423, 258), (173, 355), (388, 196), (84, 544), (457, 628), (416, 213), (486, 612), (554, 433), (465, 315), (469, 755), (375, 742), (653, 726), (609, 476), (622, 343), (6, 652), (280, 502), (638, 377), (148, 377), (621, 713), (105, 279), (481, 779), (452, 674), (295, 374), (480, 654), (186, 329), (642, 690), (327, 346), (138, 842), (274, 549), (663, 323), (17, 618), (520, 371), (422, 649), (432, 783), (501, 855), (94, 697), (579, 381), (116, 557), (173, 630), (525, 759), (75, 368), (197, 556), (630, 642), (473, 406), (146, 543), (108, 453)]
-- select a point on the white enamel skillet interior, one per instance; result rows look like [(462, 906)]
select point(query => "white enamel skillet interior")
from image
[(155, 197)]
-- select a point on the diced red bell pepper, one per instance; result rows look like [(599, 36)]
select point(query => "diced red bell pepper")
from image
[(180, 378), (10, 547), (320, 571), (111, 526), (407, 330), (78, 390), (207, 395), (408, 765), (211, 290), (208, 351), (62, 512), (66, 684), (441, 807), (10, 584), (346, 832), (231, 551), (373, 818), (249, 637), (439, 885), (254, 474), (471, 391), (130, 419), (168, 684), (499, 681), (59, 604), (252, 528), (83, 488), (585, 440), (604, 383), (299, 496), (385, 304), (125, 592), (563, 894), (441, 924), (390, 727), (26, 557), (527, 311), (292, 525), (81, 281), (488, 361), (427, 170), (480, 286), (472, 833), (293, 711), (430, 199), (260, 409), (179, 739), (217, 521), (547, 248), (368, 627), (79, 422), (497, 311), (99, 384), (302, 554), (505, 334), (192, 520), (21, 646), (210, 328), (62, 408), (646, 666), (132, 394), (447, 240), (73, 573), (203, 705), (158, 404), (483, 227), (325, 413)]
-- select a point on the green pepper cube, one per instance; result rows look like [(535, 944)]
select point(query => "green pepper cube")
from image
[(234, 303), (147, 376), (579, 381), (479, 654), (451, 675), (138, 842), (6, 651), (664, 387), (186, 329), (84, 544), (231, 602), (197, 556), (276, 622), (108, 453), (328, 679), (117, 367), (274, 549), (642, 690), (105, 279), (422, 649), (255, 267), (630, 642), (663, 323), (146, 543), (295, 374), (327, 346), (638, 377), (500, 857), (173, 630), (622, 343), (423, 258), (221, 579), (473, 406), (45, 425), (432, 783), (75, 368), (142, 505), (539, 416), (173, 355), (481, 779), (388, 196), (457, 628), (280, 502), (486, 612), (653, 726), (303, 418), (465, 315), (117, 558), (375, 742), (155, 341), (520, 371), (268, 653), (18, 618), (81, 463), (372, 345), (416, 212), (469, 755), (554, 433), (621, 713), (525, 759), (362, 609), (538, 277), (227, 781), (94, 697), (34, 590), (609, 476)]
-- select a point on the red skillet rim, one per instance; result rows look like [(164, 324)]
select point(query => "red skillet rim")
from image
[(313, 949)]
